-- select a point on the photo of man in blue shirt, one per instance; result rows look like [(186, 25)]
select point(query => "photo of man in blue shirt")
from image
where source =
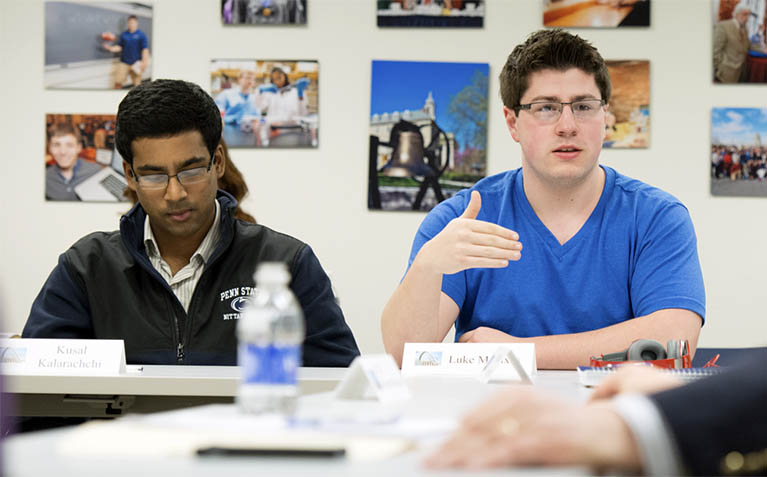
[(133, 47)]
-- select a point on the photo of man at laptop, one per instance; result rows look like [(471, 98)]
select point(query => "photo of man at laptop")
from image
[(70, 175)]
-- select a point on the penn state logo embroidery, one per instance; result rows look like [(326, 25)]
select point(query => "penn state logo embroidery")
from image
[(239, 304), (238, 298)]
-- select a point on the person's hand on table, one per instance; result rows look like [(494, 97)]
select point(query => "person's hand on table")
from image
[(469, 243), (640, 379), (522, 427), (483, 334)]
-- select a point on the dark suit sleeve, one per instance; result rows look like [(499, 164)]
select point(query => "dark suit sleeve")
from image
[(714, 416), (329, 341), (61, 308)]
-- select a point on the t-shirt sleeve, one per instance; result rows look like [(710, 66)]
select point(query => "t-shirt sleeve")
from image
[(667, 271), (328, 341), (453, 285), (144, 42), (61, 308)]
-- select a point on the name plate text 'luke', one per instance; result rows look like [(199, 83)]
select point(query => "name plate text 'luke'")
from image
[(468, 359)]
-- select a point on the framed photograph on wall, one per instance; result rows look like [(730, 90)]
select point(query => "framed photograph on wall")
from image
[(430, 13), (628, 117), (267, 103), (263, 12), (97, 45), (596, 13), (739, 49), (738, 162), (428, 132), (81, 161)]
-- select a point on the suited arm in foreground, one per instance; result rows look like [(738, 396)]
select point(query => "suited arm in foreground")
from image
[(712, 426)]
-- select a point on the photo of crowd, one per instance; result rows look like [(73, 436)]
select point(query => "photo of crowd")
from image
[(81, 162), (263, 12), (739, 152), (740, 44), (267, 103), (430, 13)]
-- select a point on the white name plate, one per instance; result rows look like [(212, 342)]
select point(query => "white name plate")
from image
[(62, 357), (468, 359), (373, 377)]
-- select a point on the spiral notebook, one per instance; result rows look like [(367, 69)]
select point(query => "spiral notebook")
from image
[(590, 376)]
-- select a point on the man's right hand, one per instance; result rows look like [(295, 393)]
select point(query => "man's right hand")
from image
[(470, 243)]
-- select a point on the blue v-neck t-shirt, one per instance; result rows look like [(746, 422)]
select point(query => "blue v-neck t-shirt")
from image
[(636, 254)]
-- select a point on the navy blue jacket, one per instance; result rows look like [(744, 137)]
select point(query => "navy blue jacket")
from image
[(716, 416), (105, 287)]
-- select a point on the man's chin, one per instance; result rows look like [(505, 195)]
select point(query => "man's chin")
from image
[(571, 174)]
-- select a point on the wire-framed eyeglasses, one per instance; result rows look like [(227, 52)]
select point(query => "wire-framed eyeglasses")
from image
[(550, 111), (187, 177)]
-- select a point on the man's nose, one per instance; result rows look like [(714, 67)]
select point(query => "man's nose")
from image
[(566, 124), (175, 191)]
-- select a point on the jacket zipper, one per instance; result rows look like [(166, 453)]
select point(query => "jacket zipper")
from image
[(180, 345)]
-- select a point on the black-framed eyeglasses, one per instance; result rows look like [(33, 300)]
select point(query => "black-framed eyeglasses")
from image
[(186, 177), (550, 111)]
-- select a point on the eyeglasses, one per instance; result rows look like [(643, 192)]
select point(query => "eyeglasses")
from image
[(550, 111), (186, 177)]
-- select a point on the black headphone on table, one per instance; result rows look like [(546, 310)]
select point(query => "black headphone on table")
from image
[(648, 350)]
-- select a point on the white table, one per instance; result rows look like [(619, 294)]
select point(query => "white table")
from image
[(143, 389), (432, 397)]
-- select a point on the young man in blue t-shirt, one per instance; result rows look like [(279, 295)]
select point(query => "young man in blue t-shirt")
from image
[(133, 47), (606, 259)]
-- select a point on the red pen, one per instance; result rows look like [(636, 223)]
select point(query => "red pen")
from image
[(712, 362)]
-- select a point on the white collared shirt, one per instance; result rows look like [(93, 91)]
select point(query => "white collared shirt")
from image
[(185, 280)]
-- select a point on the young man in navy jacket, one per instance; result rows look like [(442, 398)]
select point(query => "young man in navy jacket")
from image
[(173, 281)]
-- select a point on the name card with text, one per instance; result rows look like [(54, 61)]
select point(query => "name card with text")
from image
[(468, 359), (62, 357)]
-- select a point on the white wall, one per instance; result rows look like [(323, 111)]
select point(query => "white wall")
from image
[(366, 252)]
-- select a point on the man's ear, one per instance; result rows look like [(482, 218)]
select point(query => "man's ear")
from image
[(220, 161), (511, 122), (129, 177)]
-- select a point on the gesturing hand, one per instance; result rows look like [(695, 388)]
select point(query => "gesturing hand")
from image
[(470, 243)]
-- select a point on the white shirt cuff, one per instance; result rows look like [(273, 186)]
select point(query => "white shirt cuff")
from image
[(657, 447)]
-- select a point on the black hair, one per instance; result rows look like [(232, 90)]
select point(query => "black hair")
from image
[(163, 108), (284, 75), (133, 17)]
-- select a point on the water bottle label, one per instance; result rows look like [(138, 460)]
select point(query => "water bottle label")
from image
[(286, 360), (269, 364)]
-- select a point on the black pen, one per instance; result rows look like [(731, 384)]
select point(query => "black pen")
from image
[(267, 452)]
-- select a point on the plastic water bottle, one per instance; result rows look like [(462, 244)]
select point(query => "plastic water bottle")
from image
[(263, 132), (270, 334)]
